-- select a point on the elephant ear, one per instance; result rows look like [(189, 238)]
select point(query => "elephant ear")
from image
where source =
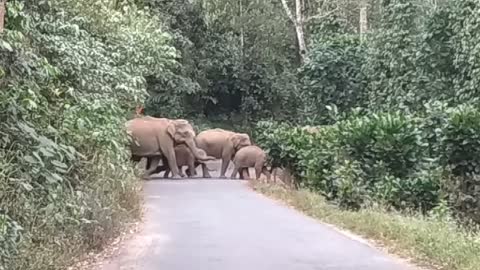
[(235, 140), (171, 129)]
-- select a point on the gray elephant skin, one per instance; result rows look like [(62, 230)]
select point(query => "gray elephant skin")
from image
[(184, 157), (221, 144), (250, 156), (154, 138)]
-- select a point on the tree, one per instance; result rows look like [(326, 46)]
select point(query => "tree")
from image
[(304, 13), (2, 14), (299, 23), (363, 18)]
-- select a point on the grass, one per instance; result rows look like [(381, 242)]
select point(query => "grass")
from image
[(106, 203), (440, 244)]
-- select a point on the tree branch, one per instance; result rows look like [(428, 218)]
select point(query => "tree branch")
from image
[(287, 10), (321, 16)]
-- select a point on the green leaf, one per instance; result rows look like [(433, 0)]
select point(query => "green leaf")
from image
[(26, 186), (59, 164), (5, 45), (30, 159)]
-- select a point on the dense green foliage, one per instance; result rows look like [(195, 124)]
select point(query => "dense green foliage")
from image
[(238, 61), (385, 159), (396, 108), (70, 73), (401, 105)]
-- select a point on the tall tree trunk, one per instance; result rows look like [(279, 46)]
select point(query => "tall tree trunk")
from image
[(363, 19), (242, 33), (2, 14), (298, 22), (299, 28)]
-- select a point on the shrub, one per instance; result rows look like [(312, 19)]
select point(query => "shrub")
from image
[(363, 160), (346, 180), (392, 138), (285, 146), (460, 142), (70, 73), (460, 146)]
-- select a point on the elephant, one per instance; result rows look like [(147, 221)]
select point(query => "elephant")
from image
[(250, 156), (184, 158), (155, 138), (221, 144)]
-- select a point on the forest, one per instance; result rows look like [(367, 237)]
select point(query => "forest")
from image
[(366, 102)]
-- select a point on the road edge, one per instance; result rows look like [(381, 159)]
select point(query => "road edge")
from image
[(369, 242)]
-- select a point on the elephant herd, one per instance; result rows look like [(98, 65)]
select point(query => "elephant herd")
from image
[(174, 142)]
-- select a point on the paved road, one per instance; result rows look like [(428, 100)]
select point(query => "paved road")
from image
[(222, 225)]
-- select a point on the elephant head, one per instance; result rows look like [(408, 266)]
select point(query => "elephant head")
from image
[(182, 132), (240, 140)]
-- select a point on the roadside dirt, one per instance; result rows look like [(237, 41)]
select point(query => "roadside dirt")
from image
[(94, 260)]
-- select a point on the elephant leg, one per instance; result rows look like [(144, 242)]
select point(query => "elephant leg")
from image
[(160, 169), (194, 171), (152, 169), (149, 163), (205, 172), (180, 171), (267, 173), (225, 161), (258, 170), (188, 173), (245, 174), (169, 154), (191, 168), (164, 167), (235, 171), (242, 173), (166, 173)]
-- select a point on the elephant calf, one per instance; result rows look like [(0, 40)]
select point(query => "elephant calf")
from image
[(184, 157), (250, 156)]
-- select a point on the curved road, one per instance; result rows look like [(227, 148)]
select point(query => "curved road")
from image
[(199, 224)]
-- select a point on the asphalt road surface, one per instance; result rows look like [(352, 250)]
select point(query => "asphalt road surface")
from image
[(215, 224)]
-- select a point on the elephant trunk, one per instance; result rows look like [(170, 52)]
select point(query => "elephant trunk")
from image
[(199, 155)]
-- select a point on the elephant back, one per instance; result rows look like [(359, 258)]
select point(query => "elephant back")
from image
[(145, 133)]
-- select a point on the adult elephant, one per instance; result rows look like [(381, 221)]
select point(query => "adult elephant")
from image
[(221, 144), (156, 137)]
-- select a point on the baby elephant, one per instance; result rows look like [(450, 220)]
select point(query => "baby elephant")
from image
[(250, 156)]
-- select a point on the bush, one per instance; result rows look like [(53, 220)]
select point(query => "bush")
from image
[(391, 138), (363, 160), (461, 154), (461, 140), (285, 146), (70, 74)]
